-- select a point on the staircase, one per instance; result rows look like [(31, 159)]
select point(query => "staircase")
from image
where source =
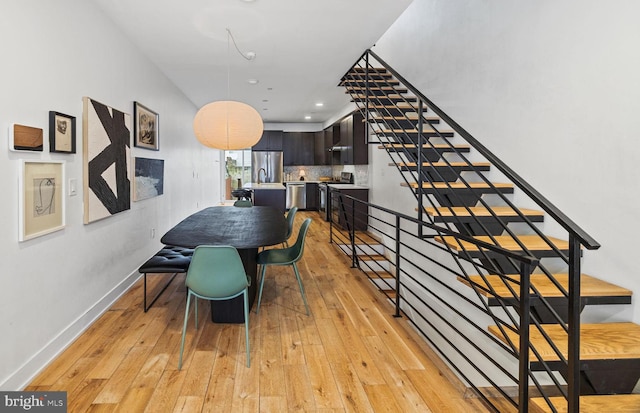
[(482, 229)]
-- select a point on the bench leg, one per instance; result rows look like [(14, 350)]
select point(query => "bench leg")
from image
[(158, 295)]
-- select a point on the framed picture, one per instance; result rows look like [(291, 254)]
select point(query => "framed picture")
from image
[(146, 127), (106, 160), (25, 138), (149, 178), (62, 133), (41, 198)]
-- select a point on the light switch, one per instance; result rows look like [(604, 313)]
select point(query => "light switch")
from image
[(73, 187)]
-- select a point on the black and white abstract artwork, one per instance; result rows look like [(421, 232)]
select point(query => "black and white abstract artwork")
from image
[(149, 178), (106, 154)]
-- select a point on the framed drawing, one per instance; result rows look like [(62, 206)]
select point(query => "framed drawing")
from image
[(149, 178), (106, 151), (25, 138), (146, 127), (41, 199), (62, 133)]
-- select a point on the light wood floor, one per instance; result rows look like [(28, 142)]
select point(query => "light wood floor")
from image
[(349, 355)]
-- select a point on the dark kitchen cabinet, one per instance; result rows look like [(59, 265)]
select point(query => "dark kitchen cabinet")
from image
[(271, 140), (353, 147), (320, 151), (298, 148)]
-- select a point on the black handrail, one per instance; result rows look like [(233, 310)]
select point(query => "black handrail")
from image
[(569, 225)]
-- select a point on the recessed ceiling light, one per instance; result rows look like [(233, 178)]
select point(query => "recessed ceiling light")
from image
[(319, 104), (307, 117), (253, 81)]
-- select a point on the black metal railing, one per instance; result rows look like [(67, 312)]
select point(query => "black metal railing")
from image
[(452, 192)]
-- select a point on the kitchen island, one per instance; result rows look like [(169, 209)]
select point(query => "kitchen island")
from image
[(268, 194)]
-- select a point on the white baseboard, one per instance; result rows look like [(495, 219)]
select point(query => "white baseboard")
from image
[(20, 378)]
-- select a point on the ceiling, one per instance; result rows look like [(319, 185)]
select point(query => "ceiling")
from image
[(302, 48)]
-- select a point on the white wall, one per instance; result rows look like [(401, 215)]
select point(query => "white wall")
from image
[(551, 87), (54, 53)]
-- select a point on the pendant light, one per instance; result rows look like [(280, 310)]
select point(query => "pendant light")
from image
[(228, 124)]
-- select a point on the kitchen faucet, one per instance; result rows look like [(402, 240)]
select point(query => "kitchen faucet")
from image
[(265, 174)]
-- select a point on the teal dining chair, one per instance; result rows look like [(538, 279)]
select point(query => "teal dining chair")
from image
[(285, 256), (243, 203), (291, 215), (216, 273)]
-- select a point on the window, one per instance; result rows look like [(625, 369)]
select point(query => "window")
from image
[(238, 169)]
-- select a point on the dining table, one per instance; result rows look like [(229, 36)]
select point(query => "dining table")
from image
[(245, 228)]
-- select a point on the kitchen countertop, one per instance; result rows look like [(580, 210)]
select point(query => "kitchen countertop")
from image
[(269, 185), (347, 186)]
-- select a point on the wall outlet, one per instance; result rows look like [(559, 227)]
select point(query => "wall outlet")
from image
[(152, 233)]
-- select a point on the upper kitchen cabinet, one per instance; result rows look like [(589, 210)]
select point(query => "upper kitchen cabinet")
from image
[(321, 153), (298, 148), (352, 147), (271, 141)]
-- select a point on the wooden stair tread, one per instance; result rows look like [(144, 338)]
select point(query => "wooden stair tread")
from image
[(399, 105), (457, 185), (531, 243), (412, 131), (391, 293), (425, 146), (370, 69), (620, 403), (386, 80), (480, 211), (380, 88), (441, 164), (589, 286), (360, 237), (410, 117), (603, 341), (372, 257)]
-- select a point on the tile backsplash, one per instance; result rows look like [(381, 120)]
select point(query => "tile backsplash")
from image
[(314, 172)]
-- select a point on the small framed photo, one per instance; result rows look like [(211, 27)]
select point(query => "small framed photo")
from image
[(41, 198), (146, 127), (25, 138), (62, 133)]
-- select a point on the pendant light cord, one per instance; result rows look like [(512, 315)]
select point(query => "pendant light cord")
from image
[(247, 56)]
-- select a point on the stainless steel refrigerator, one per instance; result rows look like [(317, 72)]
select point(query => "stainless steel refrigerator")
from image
[(269, 166)]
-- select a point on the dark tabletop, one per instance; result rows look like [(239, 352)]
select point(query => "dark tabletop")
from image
[(250, 227)]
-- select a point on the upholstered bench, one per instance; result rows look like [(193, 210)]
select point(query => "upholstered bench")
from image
[(169, 260)]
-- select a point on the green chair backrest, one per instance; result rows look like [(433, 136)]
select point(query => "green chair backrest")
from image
[(290, 217), (216, 272), (298, 247), (243, 203)]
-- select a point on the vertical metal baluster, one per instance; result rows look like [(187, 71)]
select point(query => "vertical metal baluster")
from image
[(352, 234), (397, 314), (573, 361), (525, 308), (419, 166)]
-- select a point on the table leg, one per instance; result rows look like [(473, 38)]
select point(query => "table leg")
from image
[(232, 311)]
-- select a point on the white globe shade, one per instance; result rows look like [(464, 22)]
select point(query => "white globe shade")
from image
[(228, 125)]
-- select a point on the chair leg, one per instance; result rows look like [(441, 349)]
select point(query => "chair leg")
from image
[(184, 329), (195, 299), (262, 274), (246, 325), (304, 298)]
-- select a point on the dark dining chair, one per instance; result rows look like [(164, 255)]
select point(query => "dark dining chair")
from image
[(285, 256), (216, 273)]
